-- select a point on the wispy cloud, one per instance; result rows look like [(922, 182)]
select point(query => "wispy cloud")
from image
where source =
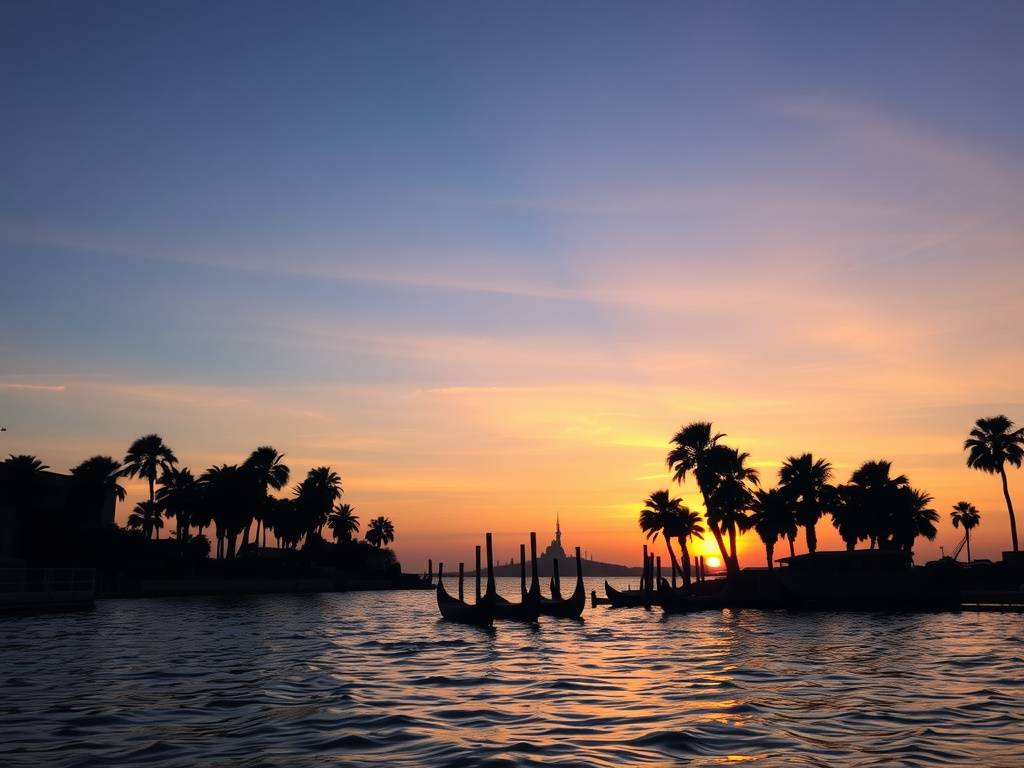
[(32, 387)]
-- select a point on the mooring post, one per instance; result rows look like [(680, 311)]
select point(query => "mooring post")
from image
[(462, 569)]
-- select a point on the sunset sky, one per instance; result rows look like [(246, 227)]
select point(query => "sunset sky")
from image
[(484, 259)]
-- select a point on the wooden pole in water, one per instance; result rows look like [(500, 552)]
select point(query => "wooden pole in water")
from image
[(702, 568), (462, 569), (556, 582), (490, 567), (643, 579), (657, 583), (674, 569), (522, 570), (535, 582), (430, 571), (478, 573)]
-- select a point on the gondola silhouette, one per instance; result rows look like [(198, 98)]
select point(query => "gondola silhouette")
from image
[(528, 609), (480, 613), (570, 608)]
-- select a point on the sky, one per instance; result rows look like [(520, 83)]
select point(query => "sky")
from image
[(484, 259)]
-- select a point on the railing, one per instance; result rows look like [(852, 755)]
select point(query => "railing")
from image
[(23, 586)]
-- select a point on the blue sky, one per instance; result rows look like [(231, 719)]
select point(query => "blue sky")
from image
[(581, 223)]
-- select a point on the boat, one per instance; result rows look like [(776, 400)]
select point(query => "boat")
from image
[(480, 613), (571, 607), (684, 600), (627, 598), (528, 609), (633, 598)]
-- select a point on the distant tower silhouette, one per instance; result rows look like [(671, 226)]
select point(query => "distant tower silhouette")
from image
[(558, 530)]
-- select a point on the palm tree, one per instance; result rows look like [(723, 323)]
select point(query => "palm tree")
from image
[(145, 457), (316, 496), (772, 518), (343, 522), (913, 517), (966, 514), (230, 493), (179, 497), (145, 517), (661, 515), (805, 481), (694, 450), (271, 472), (873, 498), (380, 531), (994, 443), (688, 526), (93, 482), (731, 497)]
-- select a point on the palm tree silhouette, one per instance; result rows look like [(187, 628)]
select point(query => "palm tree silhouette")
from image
[(805, 481), (179, 497), (343, 522), (315, 497), (144, 458), (271, 472), (731, 497), (695, 450), (871, 500), (93, 481), (772, 518), (380, 532), (230, 494), (914, 517), (661, 514), (145, 517), (20, 478), (967, 515), (992, 444)]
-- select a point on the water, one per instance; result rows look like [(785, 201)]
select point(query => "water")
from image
[(376, 679)]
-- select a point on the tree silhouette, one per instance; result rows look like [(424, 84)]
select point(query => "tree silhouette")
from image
[(315, 497), (145, 458), (145, 517), (380, 532), (694, 449), (992, 444), (805, 482), (731, 497), (660, 515), (92, 482), (772, 518), (270, 471), (179, 496), (230, 494), (343, 523), (967, 515)]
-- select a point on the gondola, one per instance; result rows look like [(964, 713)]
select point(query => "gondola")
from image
[(627, 598), (633, 598), (528, 609), (480, 613), (571, 608)]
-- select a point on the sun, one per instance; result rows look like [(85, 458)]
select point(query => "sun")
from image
[(714, 562)]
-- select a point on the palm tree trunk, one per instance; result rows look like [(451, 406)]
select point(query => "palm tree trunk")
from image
[(717, 533), (792, 550), (671, 555), (770, 551), (967, 532), (732, 564), (812, 538), (685, 555), (1009, 508)]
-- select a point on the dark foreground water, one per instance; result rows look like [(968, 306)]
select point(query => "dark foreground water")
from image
[(376, 679)]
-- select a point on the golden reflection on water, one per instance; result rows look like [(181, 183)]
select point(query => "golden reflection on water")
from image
[(372, 679)]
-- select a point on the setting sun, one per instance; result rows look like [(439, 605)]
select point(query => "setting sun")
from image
[(714, 562)]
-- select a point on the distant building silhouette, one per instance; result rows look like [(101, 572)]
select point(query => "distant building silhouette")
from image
[(567, 565)]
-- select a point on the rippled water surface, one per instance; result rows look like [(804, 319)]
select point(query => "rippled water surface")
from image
[(377, 679)]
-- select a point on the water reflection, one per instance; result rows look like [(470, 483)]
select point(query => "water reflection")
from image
[(376, 679)]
